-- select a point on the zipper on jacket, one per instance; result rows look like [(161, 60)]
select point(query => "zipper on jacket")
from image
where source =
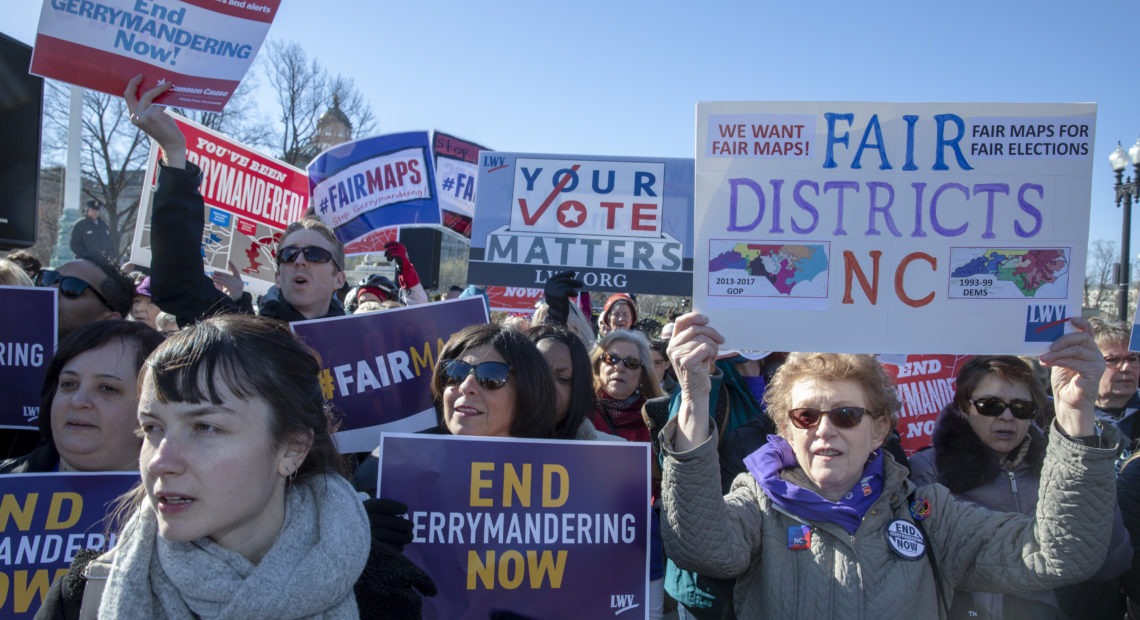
[(1012, 482)]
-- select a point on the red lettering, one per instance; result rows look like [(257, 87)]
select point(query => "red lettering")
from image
[(401, 171), (612, 207), (901, 269), (851, 266), (644, 212)]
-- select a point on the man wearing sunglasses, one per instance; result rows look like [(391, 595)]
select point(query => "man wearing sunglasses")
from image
[(310, 259), (1118, 400), (90, 289)]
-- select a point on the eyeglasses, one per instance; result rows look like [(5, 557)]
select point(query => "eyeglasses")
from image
[(841, 417), (489, 375), (992, 407), (1116, 361), (631, 363), (312, 253), (70, 287)]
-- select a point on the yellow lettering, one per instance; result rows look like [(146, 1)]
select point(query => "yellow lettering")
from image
[(549, 471), (424, 362), (541, 565), (520, 486), (478, 483), (4, 582), (10, 508), (505, 578), (477, 569), (24, 590), (57, 499)]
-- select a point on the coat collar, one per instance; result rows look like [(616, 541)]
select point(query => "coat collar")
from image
[(964, 462)]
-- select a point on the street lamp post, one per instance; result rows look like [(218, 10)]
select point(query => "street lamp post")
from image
[(1127, 192)]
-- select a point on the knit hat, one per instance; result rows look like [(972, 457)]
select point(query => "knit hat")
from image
[(144, 287), (615, 299)]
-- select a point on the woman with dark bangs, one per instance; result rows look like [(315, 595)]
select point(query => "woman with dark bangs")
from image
[(573, 382), (243, 510)]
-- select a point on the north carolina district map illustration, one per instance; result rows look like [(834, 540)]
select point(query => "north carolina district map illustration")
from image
[(1031, 272), (792, 270)]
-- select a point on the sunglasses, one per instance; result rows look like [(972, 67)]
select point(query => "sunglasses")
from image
[(489, 375), (992, 407), (840, 417), (631, 363), (70, 287), (312, 253), (1118, 361)]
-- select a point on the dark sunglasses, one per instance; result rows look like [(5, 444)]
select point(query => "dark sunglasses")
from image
[(489, 375), (70, 287), (841, 417), (312, 253), (992, 407), (631, 363)]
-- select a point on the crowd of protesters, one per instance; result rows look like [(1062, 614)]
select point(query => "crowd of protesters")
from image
[(779, 486)]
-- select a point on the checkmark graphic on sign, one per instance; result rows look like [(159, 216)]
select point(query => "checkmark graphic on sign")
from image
[(530, 219)]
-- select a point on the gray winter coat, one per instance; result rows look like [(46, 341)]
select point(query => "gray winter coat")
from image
[(743, 535)]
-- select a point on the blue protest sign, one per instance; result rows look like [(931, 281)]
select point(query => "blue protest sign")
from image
[(375, 183), (376, 367), (524, 525), (27, 341), (46, 519)]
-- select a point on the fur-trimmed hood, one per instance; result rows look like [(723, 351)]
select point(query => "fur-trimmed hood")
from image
[(964, 462)]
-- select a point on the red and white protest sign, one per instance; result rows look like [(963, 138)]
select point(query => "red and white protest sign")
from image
[(513, 299), (249, 198), (925, 385), (203, 47)]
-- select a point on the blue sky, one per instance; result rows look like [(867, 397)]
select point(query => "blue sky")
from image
[(623, 78)]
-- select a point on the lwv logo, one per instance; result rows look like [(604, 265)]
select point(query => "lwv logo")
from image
[(622, 603)]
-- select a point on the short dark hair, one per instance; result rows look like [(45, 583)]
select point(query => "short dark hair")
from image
[(117, 288), (27, 261), (137, 335), (534, 385), (1008, 368), (253, 357), (582, 398)]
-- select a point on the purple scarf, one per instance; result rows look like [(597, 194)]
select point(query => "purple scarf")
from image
[(766, 463)]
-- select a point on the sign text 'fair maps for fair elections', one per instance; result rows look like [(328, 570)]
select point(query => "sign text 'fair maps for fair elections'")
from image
[(892, 228), (27, 342), (541, 528), (250, 199), (46, 519), (377, 366), (202, 47), (365, 188), (620, 223)]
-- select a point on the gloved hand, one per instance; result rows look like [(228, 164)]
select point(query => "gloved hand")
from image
[(387, 524), (557, 293), (397, 253)]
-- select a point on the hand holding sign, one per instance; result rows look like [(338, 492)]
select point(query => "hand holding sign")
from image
[(154, 121), (692, 350), (1077, 366)]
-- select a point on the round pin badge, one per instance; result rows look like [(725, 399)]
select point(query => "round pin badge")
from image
[(905, 539)]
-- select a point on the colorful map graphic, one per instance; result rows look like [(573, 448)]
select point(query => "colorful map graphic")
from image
[(1029, 270), (787, 267)]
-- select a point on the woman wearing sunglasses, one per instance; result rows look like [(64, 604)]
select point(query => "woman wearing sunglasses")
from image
[(491, 381), (989, 449), (822, 525), (623, 380)]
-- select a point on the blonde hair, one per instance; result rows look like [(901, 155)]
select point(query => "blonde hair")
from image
[(323, 230), (12, 274)]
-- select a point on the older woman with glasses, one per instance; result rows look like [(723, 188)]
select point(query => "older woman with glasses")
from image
[(822, 525), (989, 450), (624, 379)]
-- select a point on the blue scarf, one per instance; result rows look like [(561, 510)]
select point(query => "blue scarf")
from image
[(766, 463)]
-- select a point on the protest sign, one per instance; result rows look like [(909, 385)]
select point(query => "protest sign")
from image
[(45, 520), (250, 199), (366, 187), (456, 167), (28, 318), (925, 386), (513, 299), (889, 228), (377, 367), (203, 47), (621, 223), (525, 526)]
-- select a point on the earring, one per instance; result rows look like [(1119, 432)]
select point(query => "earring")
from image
[(290, 478)]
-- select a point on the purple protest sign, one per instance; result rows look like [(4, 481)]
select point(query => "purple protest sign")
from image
[(27, 342), (524, 525), (376, 367), (46, 519)]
